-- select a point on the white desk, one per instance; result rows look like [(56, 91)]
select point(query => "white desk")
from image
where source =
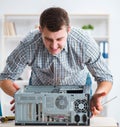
[(94, 122)]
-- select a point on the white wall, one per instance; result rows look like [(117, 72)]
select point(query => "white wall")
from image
[(82, 6)]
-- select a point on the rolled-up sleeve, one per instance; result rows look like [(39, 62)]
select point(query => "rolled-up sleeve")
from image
[(15, 64), (96, 63)]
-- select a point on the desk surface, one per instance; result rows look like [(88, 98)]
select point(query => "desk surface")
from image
[(94, 122)]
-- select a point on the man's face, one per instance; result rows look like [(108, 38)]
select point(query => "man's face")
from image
[(55, 41)]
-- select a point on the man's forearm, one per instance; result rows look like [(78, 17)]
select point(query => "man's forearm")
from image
[(104, 86), (8, 87)]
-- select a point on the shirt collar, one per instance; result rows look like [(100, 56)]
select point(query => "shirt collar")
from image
[(66, 47)]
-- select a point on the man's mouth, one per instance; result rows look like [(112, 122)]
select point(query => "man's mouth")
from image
[(55, 51)]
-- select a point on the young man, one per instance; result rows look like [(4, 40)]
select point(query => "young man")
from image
[(58, 55)]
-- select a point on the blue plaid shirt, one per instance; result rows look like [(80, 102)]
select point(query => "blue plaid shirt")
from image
[(80, 55)]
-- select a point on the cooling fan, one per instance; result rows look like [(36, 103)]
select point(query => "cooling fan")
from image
[(81, 106), (61, 102)]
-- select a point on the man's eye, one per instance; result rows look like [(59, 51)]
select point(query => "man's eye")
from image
[(47, 39), (59, 39)]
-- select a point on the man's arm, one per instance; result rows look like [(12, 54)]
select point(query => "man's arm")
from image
[(101, 91), (9, 87), (104, 86)]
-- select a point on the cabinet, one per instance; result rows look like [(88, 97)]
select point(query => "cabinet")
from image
[(15, 27)]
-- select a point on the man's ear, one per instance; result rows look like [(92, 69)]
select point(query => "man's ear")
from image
[(40, 29), (68, 29)]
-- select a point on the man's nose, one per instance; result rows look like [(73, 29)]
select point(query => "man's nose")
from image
[(54, 45)]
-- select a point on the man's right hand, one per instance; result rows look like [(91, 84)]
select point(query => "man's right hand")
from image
[(16, 86), (9, 87), (13, 100)]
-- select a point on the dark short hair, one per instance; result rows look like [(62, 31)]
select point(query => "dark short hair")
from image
[(54, 18)]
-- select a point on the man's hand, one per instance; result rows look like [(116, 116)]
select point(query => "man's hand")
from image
[(16, 86), (13, 105), (13, 100), (9, 87), (95, 104)]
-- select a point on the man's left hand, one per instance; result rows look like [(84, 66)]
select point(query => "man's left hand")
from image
[(95, 104)]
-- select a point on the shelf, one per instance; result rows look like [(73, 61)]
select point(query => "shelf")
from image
[(101, 37), (21, 24), (13, 37)]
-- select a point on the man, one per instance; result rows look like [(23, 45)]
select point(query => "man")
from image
[(58, 55)]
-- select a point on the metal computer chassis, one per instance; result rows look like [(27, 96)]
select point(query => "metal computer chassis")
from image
[(53, 105)]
